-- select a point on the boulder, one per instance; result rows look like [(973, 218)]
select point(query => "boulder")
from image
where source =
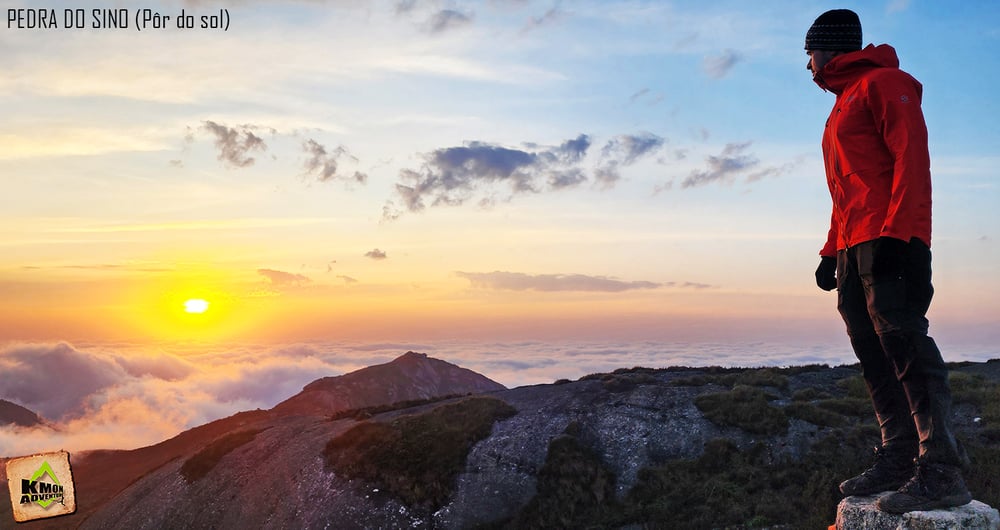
[(860, 513)]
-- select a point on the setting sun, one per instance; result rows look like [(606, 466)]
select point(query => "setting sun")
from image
[(196, 305)]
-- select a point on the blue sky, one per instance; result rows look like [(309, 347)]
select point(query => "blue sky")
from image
[(672, 147), (536, 189)]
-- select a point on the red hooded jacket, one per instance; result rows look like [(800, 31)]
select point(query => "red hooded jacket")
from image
[(875, 151)]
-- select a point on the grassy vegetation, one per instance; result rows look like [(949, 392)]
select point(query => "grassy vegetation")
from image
[(205, 460), (417, 457), (815, 415), (624, 379), (809, 394), (575, 489), (762, 377), (854, 386), (724, 488), (744, 407), (729, 488), (364, 413)]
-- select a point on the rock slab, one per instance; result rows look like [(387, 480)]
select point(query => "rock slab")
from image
[(860, 513)]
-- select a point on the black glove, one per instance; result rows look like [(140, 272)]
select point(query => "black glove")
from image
[(826, 273), (889, 257)]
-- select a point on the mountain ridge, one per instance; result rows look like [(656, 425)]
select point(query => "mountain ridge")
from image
[(565, 454)]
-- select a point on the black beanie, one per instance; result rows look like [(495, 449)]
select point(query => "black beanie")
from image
[(836, 30)]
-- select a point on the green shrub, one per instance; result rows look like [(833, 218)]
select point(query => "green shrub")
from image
[(855, 386), (575, 489), (729, 488), (983, 476), (208, 457), (364, 413), (762, 377), (853, 407), (815, 415), (627, 381), (744, 407), (759, 377), (417, 457), (693, 380), (809, 394)]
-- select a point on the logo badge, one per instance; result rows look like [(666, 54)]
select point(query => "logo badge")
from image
[(41, 486)]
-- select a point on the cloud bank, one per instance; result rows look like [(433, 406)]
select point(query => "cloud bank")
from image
[(126, 398), (517, 281), (104, 397)]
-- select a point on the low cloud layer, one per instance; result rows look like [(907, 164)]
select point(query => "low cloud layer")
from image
[(126, 397)]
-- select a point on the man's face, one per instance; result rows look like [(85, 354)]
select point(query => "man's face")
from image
[(818, 59)]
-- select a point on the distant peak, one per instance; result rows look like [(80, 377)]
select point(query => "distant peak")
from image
[(412, 355)]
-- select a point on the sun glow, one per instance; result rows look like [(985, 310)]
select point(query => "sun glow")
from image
[(196, 305)]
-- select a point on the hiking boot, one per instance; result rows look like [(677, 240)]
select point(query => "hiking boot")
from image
[(890, 471), (933, 486)]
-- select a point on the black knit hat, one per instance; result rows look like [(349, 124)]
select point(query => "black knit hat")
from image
[(837, 30)]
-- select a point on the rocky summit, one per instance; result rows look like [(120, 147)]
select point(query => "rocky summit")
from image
[(14, 414), (421, 443)]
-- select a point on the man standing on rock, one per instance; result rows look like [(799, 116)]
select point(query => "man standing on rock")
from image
[(877, 255)]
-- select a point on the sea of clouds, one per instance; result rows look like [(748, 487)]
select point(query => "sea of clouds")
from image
[(122, 396)]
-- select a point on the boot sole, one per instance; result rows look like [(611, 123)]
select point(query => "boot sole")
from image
[(873, 490), (950, 501)]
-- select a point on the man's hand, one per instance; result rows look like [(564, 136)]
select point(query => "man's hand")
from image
[(826, 273), (889, 257)]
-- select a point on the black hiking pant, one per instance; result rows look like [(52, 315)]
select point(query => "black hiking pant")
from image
[(902, 366)]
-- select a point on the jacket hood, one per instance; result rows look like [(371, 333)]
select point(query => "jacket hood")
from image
[(843, 69)]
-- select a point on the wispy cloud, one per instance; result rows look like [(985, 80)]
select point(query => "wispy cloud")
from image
[(552, 16), (717, 66), (624, 150), (517, 281), (283, 279), (897, 6), (733, 162), (376, 254), (647, 97), (627, 148), (323, 164), (235, 143), (448, 19)]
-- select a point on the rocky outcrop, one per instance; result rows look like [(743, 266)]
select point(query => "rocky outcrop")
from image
[(412, 376), (14, 414), (860, 513), (675, 448)]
